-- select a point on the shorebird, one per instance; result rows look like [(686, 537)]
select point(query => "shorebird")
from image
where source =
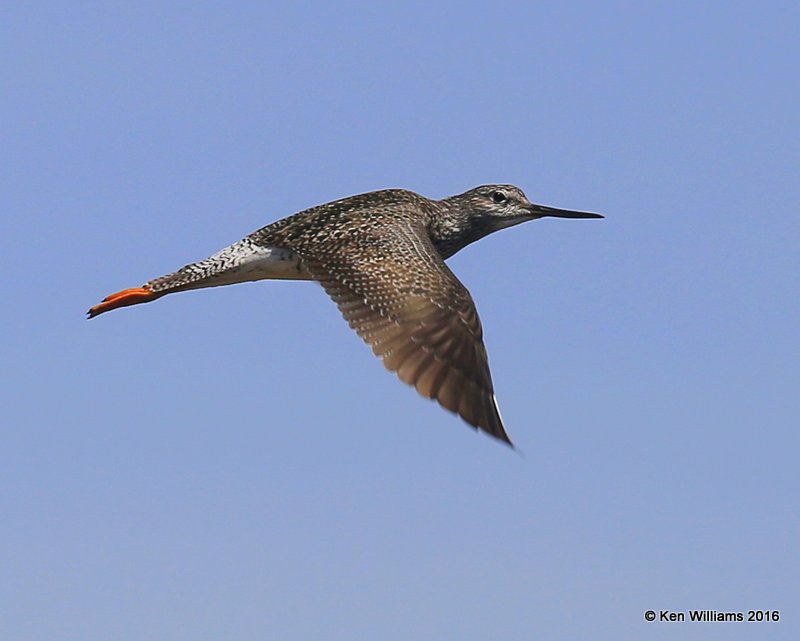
[(380, 256)]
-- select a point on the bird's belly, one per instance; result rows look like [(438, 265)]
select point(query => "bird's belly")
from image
[(260, 263), (241, 262)]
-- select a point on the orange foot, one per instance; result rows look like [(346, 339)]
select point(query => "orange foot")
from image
[(124, 298)]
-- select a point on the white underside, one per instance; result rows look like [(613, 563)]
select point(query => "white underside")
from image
[(242, 264), (270, 262)]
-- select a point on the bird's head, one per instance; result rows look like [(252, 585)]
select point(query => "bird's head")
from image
[(489, 208), (500, 206)]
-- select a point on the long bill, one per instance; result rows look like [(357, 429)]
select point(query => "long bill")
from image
[(542, 211)]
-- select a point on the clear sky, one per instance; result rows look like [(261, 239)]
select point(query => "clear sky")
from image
[(234, 464)]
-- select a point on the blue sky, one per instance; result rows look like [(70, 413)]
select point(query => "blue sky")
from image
[(234, 464)]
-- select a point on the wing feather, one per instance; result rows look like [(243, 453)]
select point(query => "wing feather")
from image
[(396, 292)]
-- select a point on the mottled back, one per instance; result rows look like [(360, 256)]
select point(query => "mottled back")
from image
[(374, 256)]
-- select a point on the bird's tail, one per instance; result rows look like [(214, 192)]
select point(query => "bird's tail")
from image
[(241, 262), (185, 278), (205, 273)]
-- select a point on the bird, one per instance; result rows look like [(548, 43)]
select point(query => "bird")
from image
[(381, 257)]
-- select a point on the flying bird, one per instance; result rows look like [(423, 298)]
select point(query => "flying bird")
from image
[(381, 257)]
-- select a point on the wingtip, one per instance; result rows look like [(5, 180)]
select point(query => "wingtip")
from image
[(504, 439), (498, 430), (509, 443)]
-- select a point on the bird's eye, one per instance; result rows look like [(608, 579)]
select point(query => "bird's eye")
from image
[(499, 197)]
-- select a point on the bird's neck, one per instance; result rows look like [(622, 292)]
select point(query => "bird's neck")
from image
[(452, 228)]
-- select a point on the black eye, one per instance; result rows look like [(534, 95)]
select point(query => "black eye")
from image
[(499, 197)]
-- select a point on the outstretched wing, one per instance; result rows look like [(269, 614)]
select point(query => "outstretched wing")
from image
[(396, 292)]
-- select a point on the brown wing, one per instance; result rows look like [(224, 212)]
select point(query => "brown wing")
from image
[(397, 293)]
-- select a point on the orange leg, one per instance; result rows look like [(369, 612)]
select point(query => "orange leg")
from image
[(126, 297)]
